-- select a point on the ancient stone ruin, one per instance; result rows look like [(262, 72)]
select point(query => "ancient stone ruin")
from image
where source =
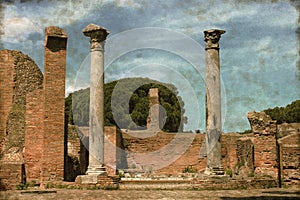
[(32, 113), (37, 146), (154, 120)]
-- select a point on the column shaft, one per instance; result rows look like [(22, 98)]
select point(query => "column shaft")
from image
[(96, 123), (213, 109), (213, 103)]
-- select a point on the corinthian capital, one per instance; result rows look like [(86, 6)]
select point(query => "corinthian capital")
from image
[(212, 37), (97, 36)]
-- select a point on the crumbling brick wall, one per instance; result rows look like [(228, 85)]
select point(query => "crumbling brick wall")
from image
[(289, 159), (19, 76), (230, 150), (72, 165), (188, 160), (245, 157), (286, 129), (265, 147)]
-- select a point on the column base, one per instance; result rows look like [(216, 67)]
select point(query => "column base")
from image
[(214, 171), (96, 170)]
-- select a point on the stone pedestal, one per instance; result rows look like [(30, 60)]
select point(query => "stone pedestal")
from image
[(213, 103), (97, 36)]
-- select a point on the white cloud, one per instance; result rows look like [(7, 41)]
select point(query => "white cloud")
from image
[(22, 19), (17, 29), (128, 3), (262, 44), (225, 12)]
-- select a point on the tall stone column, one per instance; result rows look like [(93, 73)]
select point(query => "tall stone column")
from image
[(97, 36), (213, 102)]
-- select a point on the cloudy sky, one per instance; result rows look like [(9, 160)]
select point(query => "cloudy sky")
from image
[(163, 40)]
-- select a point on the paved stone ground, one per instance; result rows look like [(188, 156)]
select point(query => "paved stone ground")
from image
[(274, 193)]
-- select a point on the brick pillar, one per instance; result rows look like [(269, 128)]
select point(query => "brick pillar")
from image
[(54, 94), (110, 149), (153, 120), (213, 102), (97, 36), (265, 149)]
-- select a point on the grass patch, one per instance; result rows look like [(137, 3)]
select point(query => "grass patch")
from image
[(229, 172), (189, 169)]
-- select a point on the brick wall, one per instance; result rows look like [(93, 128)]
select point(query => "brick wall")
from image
[(245, 157), (286, 129), (34, 133), (110, 150), (11, 175), (19, 76), (54, 94), (6, 90), (229, 150), (189, 158)]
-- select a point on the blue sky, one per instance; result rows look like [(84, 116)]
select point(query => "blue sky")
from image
[(163, 40)]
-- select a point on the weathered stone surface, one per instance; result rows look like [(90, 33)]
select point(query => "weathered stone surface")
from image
[(212, 37), (213, 100), (54, 31), (56, 39), (97, 35), (245, 155), (261, 123), (91, 28), (286, 129)]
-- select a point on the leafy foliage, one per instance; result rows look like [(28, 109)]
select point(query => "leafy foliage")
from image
[(289, 114), (117, 94)]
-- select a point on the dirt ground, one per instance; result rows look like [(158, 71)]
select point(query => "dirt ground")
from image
[(274, 193)]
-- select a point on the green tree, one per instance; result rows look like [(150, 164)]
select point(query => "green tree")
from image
[(290, 113), (136, 90)]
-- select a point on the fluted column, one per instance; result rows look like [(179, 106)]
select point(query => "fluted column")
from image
[(97, 36), (213, 102)]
